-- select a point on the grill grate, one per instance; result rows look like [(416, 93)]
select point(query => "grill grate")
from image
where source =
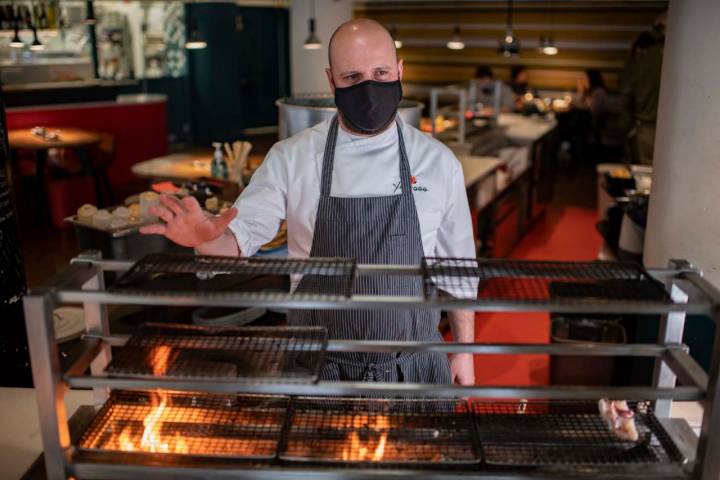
[(242, 353), (207, 425), (181, 274), (374, 431), (566, 433), (531, 281)]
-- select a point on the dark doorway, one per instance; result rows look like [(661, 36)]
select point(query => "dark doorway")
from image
[(235, 81)]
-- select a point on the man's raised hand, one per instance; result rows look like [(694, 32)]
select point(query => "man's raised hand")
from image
[(186, 223)]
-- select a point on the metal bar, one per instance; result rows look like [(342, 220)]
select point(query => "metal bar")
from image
[(393, 389), (686, 368), (103, 264), (707, 465), (85, 353), (362, 268), (372, 302), (114, 471), (708, 289), (49, 388), (672, 326), (586, 349), (96, 320)]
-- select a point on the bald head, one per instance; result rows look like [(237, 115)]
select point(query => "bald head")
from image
[(360, 50)]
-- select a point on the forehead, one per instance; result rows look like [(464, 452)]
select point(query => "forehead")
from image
[(362, 52)]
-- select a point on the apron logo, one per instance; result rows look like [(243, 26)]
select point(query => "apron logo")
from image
[(415, 187)]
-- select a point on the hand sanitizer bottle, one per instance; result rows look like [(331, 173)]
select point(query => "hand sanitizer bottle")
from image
[(218, 167)]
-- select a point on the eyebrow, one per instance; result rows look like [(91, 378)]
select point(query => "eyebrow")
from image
[(350, 72)]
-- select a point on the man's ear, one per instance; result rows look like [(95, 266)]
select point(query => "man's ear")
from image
[(400, 69), (328, 72)]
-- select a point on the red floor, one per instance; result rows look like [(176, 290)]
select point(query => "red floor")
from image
[(564, 233)]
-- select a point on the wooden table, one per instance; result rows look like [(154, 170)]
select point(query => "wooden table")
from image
[(183, 166), (68, 137)]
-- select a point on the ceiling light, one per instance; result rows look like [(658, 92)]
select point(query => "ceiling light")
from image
[(16, 42), (393, 34), (549, 48), (456, 42), (90, 15), (510, 45), (194, 41), (36, 45), (312, 42)]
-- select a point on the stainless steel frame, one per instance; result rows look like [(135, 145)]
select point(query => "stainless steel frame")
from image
[(83, 282)]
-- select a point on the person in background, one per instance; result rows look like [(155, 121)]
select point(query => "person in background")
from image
[(593, 98), (519, 80), (640, 89), (485, 83)]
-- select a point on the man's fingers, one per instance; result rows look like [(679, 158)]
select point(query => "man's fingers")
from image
[(190, 204), (227, 216), (162, 212), (154, 229), (172, 203)]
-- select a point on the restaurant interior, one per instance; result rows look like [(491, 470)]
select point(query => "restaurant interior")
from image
[(586, 131)]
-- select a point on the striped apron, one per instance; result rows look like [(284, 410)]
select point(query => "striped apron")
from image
[(372, 230)]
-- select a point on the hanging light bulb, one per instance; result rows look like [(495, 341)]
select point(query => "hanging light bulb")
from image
[(16, 42), (90, 16), (312, 42), (542, 42), (456, 42), (194, 41), (36, 45), (393, 34), (509, 45), (549, 47)]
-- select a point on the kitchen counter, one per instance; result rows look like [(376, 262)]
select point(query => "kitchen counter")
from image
[(522, 130), (20, 440)]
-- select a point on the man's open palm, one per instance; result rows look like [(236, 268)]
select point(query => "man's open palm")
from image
[(186, 223)]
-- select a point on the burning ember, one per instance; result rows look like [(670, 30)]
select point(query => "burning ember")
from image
[(357, 451)]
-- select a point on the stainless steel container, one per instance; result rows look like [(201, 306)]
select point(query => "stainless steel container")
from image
[(304, 111)]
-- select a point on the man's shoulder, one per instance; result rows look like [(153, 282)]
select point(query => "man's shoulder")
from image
[(306, 140)]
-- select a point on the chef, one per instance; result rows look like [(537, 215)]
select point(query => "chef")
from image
[(362, 185)]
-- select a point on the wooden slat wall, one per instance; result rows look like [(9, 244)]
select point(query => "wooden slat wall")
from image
[(597, 34)]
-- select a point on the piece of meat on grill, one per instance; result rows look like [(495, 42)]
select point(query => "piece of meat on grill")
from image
[(620, 419)]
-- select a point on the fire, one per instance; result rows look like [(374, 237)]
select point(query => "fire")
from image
[(152, 439), (354, 449)]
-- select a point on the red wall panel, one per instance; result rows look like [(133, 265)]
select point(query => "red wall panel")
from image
[(140, 129)]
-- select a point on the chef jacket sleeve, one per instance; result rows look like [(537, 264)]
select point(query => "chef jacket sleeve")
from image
[(262, 205), (455, 237)]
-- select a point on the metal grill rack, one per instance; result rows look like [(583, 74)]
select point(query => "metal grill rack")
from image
[(534, 286), (239, 353), (379, 431), (194, 424), (187, 274), (565, 433), (531, 281)]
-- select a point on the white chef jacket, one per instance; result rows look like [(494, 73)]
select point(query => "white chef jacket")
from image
[(287, 186)]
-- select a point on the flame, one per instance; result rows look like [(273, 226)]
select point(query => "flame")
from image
[(354, 449), (152, 439)]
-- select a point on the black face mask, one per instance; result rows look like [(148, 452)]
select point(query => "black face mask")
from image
[(369, 106)]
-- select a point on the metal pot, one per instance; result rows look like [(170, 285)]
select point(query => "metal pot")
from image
[(304, 111)]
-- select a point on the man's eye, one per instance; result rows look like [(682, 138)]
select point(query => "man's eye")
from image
[(354, 76), (382, 73)]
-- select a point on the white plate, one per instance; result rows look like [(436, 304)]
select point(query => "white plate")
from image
[(69, 323)]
